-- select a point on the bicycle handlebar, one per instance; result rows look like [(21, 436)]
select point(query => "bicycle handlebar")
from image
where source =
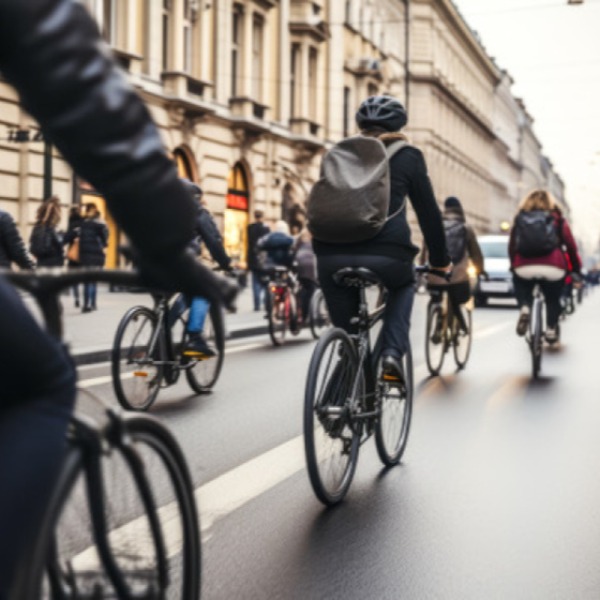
[(433, 271)]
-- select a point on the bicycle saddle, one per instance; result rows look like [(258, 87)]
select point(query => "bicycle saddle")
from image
[(356, 277)]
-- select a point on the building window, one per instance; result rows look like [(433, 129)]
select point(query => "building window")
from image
[(294, 83), (372, 89), (236, 213), (166, 37), (187, 37), (348, 11), (109, 21), (257, 57), (312, 83), (236, 48), (346, 124)]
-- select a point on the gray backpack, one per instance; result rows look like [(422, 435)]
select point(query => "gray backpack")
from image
[(351, 200)]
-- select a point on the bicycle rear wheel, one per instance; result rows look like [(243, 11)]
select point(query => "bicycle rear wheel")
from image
[(203, 374), (331, 441), (536, 336), (146, 565), (319, 315), (461, 339), (435, 338), (135, 375), (277, 312), (393, 425)]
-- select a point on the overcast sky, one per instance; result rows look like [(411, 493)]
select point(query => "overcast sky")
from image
[(552, 51)]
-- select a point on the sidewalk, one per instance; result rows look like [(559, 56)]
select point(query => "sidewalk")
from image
[(90, 335)]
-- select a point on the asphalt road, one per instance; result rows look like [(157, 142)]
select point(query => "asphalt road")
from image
[(498, 495)]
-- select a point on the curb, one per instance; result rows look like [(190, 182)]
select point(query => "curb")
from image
[(99, 356)]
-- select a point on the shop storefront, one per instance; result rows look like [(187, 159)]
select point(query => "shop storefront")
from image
[(236, 214)]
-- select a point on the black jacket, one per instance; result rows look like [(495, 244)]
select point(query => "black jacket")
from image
[(54, 256), (12, 247), (93, 238), (409, 177), (208, 234), (51, 51), (255, 231)]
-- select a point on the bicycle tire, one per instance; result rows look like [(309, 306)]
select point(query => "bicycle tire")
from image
[(136, 379), (148, 460), (434, 349), (318, 314), (276, 311), (330, 438), (203, 374), (536, 338), (393, 424), (462, 340)]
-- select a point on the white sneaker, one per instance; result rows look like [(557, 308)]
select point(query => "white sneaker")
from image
[(552, 335), (523, 322)]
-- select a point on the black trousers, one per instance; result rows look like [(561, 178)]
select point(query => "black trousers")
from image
[(342, 302), (551, 290), (37, 392)]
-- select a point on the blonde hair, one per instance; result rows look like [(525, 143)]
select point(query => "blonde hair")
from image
[(538, 200), (48, 213)]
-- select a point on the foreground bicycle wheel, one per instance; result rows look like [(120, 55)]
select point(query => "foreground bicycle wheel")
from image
[(149, 565), (462, 339), (319, 315), (135, 376), (277, 307), (331, 442), (393, 424), (435, 338), (203, 374)]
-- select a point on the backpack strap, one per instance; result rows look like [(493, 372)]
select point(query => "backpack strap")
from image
[(391, 150)]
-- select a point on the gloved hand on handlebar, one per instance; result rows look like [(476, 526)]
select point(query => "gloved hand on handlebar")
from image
[(183, 273)]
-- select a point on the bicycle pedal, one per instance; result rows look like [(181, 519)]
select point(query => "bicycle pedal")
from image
[(140, 374)]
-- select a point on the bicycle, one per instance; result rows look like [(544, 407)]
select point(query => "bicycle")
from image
[(318, 314), (147, 352), (447, 325), (348, 399), (281, 304), (122, 520)]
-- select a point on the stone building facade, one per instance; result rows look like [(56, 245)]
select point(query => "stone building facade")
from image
[(249, 93)]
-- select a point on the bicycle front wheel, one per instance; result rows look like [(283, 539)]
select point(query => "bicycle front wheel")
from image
[(129, 527), (435, 338), (277, 307), (203, 374), (319, 315), (462, 339), (395, 403), (135, 375), (331, 440)]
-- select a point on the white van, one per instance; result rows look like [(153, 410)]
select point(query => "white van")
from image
[(497, 265)]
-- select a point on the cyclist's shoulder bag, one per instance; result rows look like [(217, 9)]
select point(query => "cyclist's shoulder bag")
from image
[(456, 239), (351, 200), (536, 233)]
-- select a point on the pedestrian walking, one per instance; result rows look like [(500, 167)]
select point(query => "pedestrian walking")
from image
[(93, 239), (255, 231), (12, 246), (45, 243)]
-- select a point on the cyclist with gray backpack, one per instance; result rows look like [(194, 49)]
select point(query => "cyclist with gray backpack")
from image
[(357, 216), (537, 238), (463, 248)]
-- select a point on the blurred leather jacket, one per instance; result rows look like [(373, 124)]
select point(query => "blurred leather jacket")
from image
[(52, 53)]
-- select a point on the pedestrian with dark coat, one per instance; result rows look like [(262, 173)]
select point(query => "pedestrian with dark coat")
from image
[(45, 243), (255, 231), (93, 239), (12, 246)]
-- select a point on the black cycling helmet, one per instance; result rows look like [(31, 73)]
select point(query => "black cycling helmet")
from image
[(381, 111), (193, 188)]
